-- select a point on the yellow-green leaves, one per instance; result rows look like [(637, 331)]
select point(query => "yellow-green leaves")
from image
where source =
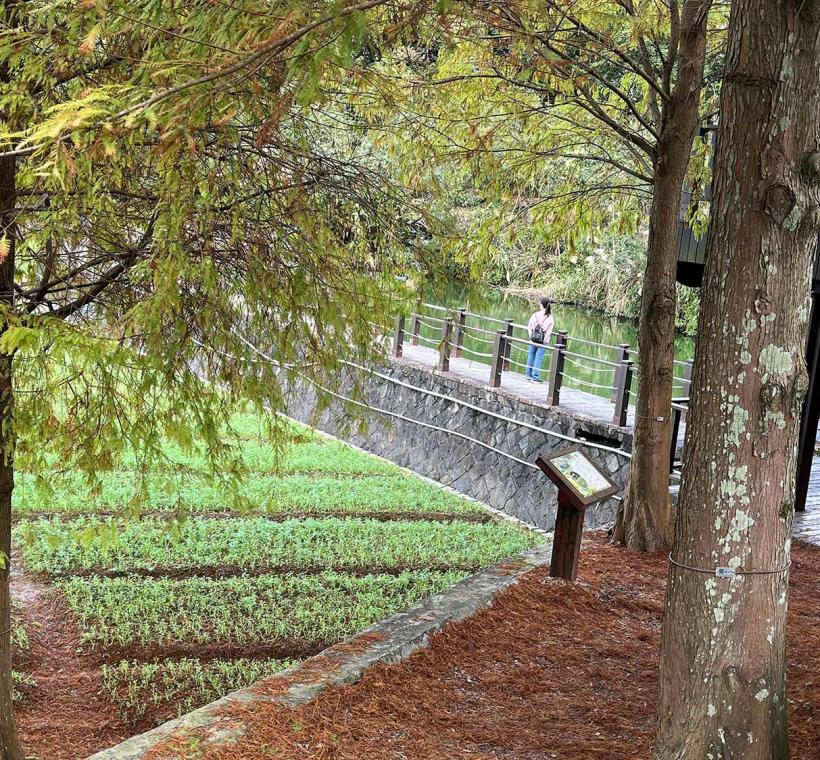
[(19, 339)]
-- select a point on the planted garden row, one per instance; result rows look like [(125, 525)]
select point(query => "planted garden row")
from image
[(88, 543), (212, 588)]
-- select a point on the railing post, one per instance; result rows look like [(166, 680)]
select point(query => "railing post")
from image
[(622, 393), (508, 343), (415, 329), (622, 356), (557, 368), (462, 321), (444, 349), (673, 443), (398, 338), (687, 383), (497, 367)]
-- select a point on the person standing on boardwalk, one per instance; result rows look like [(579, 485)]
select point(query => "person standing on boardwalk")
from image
[(540, 330)]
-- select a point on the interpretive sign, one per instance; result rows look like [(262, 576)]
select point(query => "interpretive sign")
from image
[(581, 483)]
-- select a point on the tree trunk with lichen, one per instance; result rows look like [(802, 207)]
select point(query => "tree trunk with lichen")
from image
[(723, 681), (644, 523)]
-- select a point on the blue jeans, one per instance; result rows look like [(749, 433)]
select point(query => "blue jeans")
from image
[(534, 359)]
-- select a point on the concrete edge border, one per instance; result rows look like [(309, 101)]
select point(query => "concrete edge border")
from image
[(389, 640)]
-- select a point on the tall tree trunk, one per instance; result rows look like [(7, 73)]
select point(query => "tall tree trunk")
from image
[(645, 520), (10, 749), (723, 683)]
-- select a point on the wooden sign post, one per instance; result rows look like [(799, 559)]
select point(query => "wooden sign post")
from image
[(580, 483)]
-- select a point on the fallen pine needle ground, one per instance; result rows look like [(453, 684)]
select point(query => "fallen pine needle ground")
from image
[(551, 670)]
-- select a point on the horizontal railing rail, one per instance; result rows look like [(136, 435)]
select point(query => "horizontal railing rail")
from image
[(571, 363)]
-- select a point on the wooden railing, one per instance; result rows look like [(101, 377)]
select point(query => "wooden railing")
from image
[(571, 361)]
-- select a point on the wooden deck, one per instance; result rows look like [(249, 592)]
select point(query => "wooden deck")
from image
[(574, 401)]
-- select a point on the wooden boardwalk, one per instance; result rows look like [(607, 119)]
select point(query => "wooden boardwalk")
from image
[(573, 401), (578, 402), (513, 382)]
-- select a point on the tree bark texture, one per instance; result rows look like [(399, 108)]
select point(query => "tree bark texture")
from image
[(10, 748), (723, 684), (645, 522)]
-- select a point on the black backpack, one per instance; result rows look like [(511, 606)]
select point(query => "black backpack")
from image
[(537, 334)]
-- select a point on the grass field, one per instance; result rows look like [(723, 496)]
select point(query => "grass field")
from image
[(326, 541)]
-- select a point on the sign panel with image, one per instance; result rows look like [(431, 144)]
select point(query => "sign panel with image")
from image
[(581, 473), (577, 476)]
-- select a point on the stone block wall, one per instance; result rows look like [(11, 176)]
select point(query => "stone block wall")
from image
[(479, 471)]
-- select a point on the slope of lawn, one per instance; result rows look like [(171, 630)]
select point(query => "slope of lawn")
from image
[(203, 593)]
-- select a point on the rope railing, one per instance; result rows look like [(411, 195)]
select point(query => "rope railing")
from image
[(595, 343), (523, 366), (472, 351), (590, 358), (439, 320), (524, 345), (588, 384), (425, 339), (587, 368), (518, 326), (681, 403), (469, 334)]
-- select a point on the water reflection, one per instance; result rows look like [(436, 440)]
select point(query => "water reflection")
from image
[(587, 326)]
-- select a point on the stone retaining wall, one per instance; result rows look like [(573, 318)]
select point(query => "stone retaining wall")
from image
[(466, 466)]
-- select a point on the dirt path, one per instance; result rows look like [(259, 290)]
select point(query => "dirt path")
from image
[(66, 716)]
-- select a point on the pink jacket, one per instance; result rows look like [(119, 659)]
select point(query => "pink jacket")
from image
[(546, 322)]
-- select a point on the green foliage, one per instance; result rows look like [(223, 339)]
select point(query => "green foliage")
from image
[(313, 609), (311, 474), (20, 682), (86, 543), (138, 687), (273, 495), (605, 275), (20, 645), (185, 191), (531, 130), (19, 635)]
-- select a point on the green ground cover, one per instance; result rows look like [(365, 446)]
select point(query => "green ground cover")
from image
[(325, 541), (272, 494), (20, 646), (139, 687), (305, 544), (308, 609)]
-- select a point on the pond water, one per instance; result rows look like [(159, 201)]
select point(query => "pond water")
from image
[(587, 326)]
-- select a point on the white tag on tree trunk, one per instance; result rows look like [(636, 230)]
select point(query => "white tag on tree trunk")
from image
[(725, 572)]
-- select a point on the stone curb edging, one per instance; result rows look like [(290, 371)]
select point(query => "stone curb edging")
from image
[(389, 640)]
